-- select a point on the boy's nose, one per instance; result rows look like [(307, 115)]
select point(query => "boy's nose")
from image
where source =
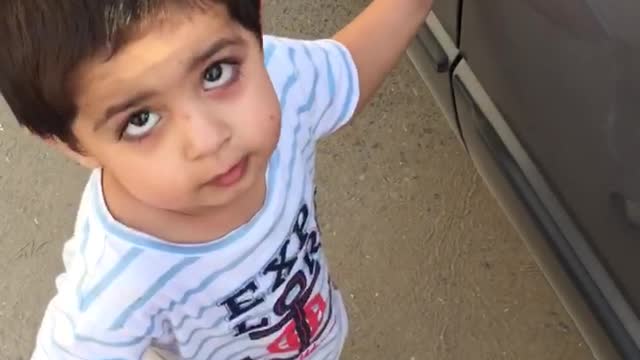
[(204, 135)]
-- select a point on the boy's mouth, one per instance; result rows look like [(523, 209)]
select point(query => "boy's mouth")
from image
[(232, 176)]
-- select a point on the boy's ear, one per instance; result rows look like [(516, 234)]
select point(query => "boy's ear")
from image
[(76, 155)]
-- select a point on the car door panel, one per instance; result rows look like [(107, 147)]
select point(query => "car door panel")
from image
[(564, 76), (531, 205)]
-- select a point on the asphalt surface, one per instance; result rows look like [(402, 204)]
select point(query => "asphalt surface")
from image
[(430, 267)]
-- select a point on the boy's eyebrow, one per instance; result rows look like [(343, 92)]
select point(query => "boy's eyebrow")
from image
[(118, 108), (213, 49), (194, 62)]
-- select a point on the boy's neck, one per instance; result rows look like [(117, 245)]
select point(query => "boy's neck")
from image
[(179, 228)]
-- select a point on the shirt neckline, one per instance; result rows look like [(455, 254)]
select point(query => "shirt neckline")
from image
[(143, 240)]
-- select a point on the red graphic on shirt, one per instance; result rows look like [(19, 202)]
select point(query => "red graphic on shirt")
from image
[(289, 340)]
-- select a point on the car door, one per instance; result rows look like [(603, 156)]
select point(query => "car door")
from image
[(546, 100)]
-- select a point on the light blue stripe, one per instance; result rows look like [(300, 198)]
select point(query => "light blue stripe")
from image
[(204, 309), (291, 80), (204, 342), (153, 290), (203, 285), (311, 99), (62, 349), (350, 89), (217, 350), (332, 94), (82, 253), (85, 240), (102, 252), (118, 344), (332, 91), (216, 323), (312, 96), (310, 157), (332, 75), (108, 279), (193, 333), (268, 53), (332, 88)]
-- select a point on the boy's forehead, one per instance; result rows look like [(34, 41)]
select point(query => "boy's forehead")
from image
[(141, 39), (168, 45)]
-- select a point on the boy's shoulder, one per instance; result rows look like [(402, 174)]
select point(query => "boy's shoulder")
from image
[(278, 49), (105, 274), (316, 82)]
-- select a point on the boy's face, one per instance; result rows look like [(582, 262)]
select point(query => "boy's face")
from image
[(184, 117)]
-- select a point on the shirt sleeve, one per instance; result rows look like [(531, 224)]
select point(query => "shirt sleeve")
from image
[(331, 84), (63, 336)]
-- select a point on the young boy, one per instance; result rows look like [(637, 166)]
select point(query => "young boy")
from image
[(196, 233)]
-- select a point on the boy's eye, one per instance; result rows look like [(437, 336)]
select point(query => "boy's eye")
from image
[(140, 124), (218, 75)]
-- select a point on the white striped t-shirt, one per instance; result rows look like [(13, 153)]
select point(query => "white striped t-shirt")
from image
[(261, 292)]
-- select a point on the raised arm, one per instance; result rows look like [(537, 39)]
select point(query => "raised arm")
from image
[(378, 37)]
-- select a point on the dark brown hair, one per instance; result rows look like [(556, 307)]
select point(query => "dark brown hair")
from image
[(42, 42)]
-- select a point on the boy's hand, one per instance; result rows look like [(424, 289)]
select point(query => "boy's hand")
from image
[(378, 37)]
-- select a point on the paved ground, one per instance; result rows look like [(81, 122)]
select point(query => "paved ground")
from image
[(429, 265)]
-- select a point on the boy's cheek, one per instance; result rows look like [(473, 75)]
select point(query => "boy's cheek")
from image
[(152, 182), (264, 133)]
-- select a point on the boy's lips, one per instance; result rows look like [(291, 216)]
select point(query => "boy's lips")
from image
[(232, 176)]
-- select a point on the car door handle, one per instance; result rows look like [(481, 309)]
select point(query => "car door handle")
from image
[(434, 49)]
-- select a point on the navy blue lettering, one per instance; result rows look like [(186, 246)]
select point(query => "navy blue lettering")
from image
[(281, 265), (242, 301), (244, 326)]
